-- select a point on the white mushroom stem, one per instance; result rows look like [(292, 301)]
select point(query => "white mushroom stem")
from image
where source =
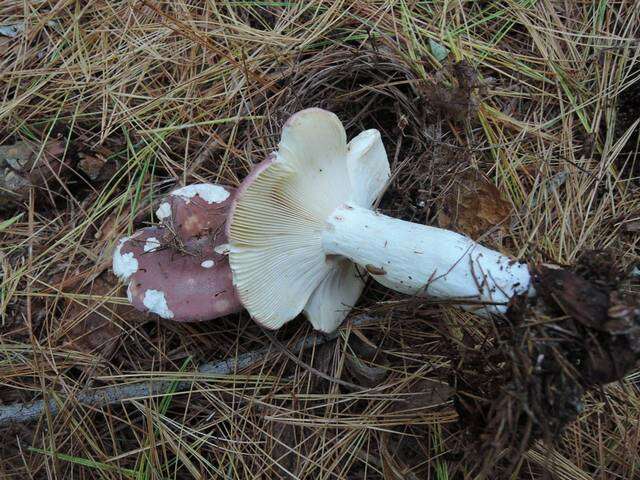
[(425, 261)]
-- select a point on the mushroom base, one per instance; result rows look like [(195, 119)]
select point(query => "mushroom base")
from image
[(425, 261)]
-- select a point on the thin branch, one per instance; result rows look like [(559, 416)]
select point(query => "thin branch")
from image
[(31, 411)]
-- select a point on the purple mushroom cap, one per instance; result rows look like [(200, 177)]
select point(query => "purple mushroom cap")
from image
[(179, 271)]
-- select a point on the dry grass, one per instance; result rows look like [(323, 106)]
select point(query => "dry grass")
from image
[(179, 92)]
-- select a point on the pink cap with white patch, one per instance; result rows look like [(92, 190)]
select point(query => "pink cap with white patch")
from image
[(176, 271)]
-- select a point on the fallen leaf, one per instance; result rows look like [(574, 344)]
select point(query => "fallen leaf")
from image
[(287, 442), (473, 206), (108, 229), (23, 166), (96, 167), (90, 323), (91, 165), (399, 455), (453, 102), (424, 393), (403, 454)]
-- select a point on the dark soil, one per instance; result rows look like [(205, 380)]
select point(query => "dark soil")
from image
[(527, 382)]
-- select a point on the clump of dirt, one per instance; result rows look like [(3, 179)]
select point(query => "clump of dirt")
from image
[(455, 100), (527, 382)]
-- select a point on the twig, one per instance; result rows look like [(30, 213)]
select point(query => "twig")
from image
[(31, 411)]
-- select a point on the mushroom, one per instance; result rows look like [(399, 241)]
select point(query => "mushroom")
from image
[(178, 271), (301, 230)]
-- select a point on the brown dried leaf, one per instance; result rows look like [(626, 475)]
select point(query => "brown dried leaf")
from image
[(285, 446), (403, 455), (90, 322), (424, 393), (322, 361), (91, 166), (454, 102), (473, 205), (19, 171), (288, 444), (96, 167), (108, 229)]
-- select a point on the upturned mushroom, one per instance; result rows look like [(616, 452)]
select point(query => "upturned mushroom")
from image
[(178, 270), (302, 233)]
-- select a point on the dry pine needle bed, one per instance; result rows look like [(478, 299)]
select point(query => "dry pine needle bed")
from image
[(514, 122)]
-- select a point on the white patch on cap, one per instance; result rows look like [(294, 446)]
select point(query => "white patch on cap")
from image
[(156, 302), (222, 305), (163, 211), (124, 264), (207, 264), (207, 192), (129, 294), (222, 249), (151, 244)]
